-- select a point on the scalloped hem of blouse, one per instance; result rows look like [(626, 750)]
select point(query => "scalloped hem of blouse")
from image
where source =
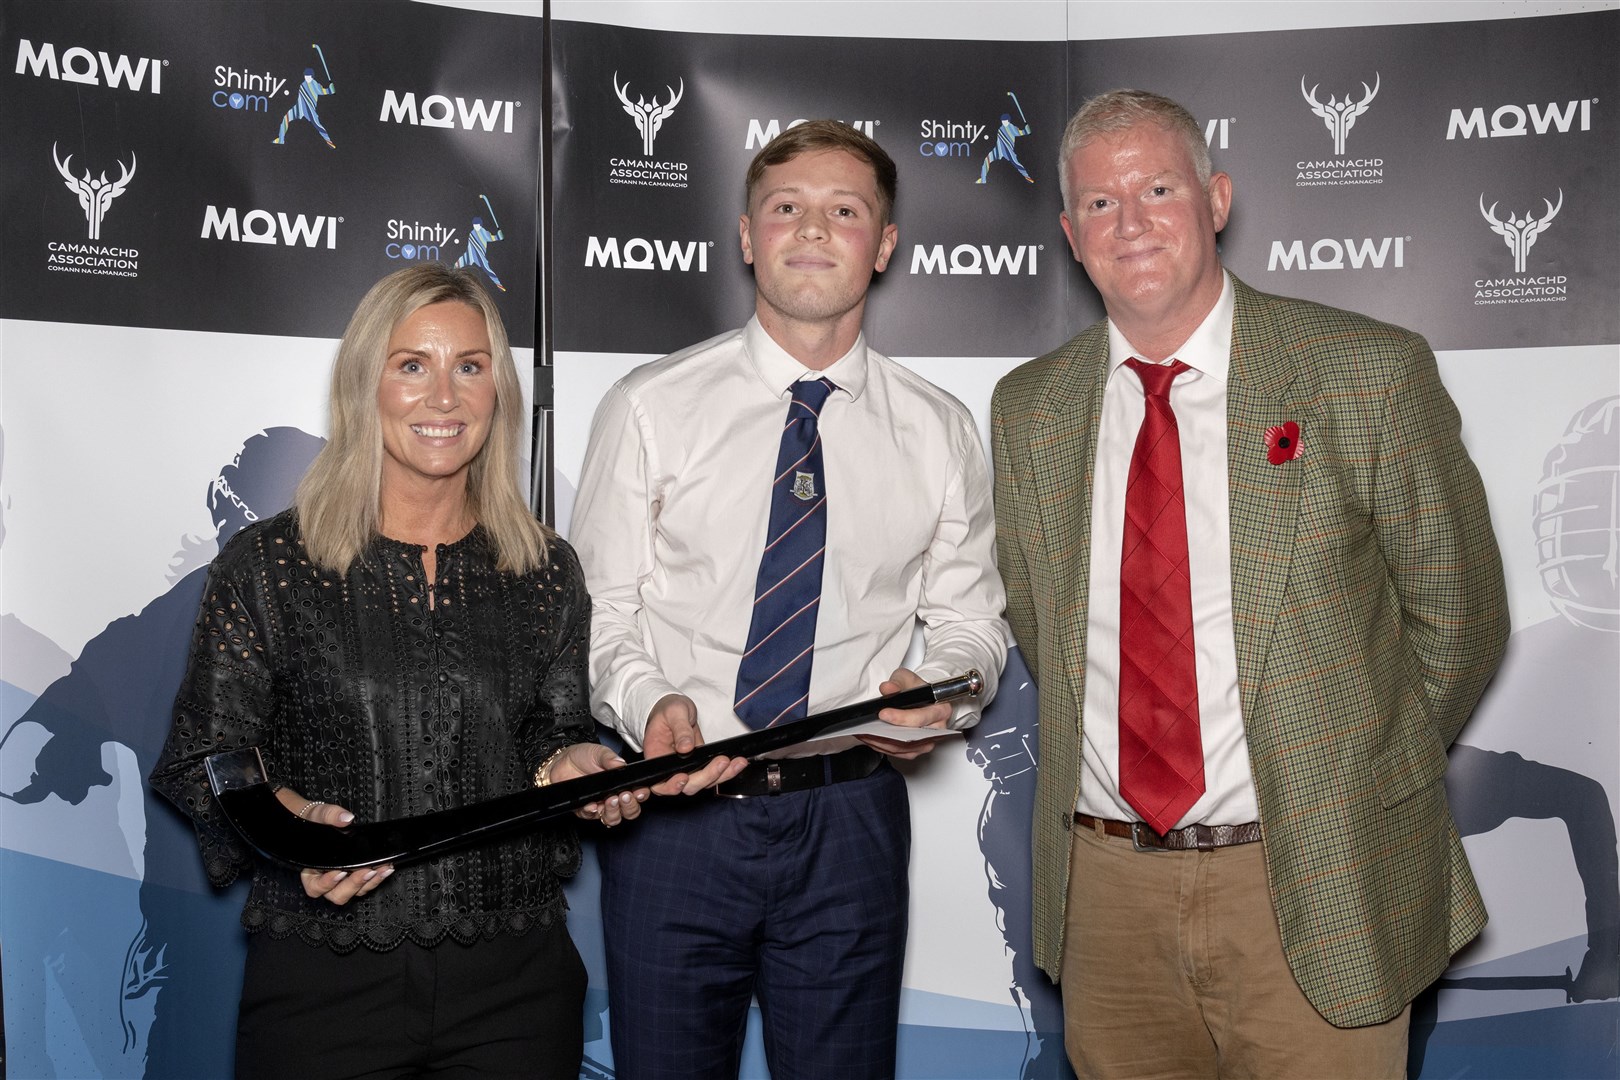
[(342, 939)]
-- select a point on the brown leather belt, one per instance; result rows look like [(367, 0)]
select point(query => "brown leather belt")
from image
[(1190, 838), (799, 774)]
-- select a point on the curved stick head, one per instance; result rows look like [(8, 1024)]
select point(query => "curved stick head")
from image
[(235, 770)]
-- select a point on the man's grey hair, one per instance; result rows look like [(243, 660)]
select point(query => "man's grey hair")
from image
[(1118, 110)]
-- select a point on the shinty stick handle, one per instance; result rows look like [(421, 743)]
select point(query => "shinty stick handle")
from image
[(241, 787)]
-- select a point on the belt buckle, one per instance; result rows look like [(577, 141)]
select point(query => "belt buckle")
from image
[(1137, 828), (773, 779)]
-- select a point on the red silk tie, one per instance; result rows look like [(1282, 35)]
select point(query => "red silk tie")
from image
[(1161, 757)]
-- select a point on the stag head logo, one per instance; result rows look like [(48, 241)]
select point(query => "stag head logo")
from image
[(1340, 116), (1519, 233), (95, 196), (648, 115)]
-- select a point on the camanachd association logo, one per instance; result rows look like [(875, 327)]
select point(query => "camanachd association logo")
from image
[(1519, 233), (95, 195), (649, 112), (1339, 117)]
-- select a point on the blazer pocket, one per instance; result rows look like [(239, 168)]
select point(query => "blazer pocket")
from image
[(1408, 767)]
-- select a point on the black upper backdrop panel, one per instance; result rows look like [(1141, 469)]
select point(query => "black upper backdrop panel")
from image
[(1458, 178), (145, 184)]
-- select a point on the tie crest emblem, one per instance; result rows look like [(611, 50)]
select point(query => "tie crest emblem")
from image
[(804, 486)]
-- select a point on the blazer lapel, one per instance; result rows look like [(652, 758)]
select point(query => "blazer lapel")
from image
[(1264, 497), (1063, 450)]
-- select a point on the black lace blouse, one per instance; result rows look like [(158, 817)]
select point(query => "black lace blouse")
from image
[(357, 693)]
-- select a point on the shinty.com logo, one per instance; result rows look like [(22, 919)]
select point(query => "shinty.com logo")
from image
[(1519, 233), (95, 197), (254, 93), (246, 91), (960, 139), (649, 116), (414, 241)]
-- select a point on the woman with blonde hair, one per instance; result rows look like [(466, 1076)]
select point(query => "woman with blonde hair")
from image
[(406, 639)]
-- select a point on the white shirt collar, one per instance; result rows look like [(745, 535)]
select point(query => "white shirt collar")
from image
[(779, 371), (1209, 349)]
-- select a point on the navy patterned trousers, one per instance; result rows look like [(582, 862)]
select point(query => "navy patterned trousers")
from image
[(796, 899)]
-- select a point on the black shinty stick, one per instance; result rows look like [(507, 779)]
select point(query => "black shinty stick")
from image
[(244, 794)]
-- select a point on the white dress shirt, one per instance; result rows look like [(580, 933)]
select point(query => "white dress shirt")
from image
[(1198, 398), (671, 515)]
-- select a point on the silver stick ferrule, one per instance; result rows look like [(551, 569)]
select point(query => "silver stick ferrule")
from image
[(968, 685)]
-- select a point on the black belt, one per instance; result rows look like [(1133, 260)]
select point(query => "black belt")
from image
[(1190, 838), (800, 773)]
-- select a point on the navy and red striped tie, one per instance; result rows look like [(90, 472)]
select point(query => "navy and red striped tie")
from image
[(773, 680)]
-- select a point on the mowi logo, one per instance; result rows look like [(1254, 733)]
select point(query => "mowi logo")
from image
[(440, 111), (970, 259), (80, 65), (1510, 120), (1331, 254), (639, 254), (761, 132), (263, 227)]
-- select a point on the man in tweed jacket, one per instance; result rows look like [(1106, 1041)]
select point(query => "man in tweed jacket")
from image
[(1347, 611)]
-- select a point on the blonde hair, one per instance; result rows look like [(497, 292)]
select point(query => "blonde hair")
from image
[(338, 499), (1118, 110)]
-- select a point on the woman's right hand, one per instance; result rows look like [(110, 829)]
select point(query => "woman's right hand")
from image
[(336, 886)]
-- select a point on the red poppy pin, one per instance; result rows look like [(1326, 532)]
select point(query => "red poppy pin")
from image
[(1282, 443)]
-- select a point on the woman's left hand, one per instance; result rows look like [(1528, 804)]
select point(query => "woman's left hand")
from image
[(581, 759), (335, 886)]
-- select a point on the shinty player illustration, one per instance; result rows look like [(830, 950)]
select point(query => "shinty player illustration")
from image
[(1006, 135), (309, 92), (478, 240)]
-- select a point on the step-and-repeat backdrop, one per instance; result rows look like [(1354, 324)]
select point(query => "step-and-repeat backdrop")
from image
[(1460, 178), (195, 195), (193, 198)]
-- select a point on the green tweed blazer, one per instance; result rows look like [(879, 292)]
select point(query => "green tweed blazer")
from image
[(1368, 610)]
